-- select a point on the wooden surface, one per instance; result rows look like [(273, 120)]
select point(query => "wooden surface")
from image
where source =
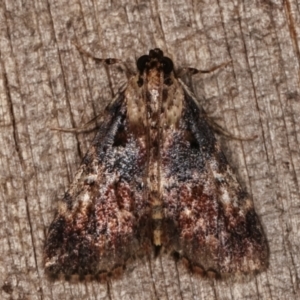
[(45, 82)]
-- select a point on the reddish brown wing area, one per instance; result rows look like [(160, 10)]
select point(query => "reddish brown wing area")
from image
[(209, 219), (102, 219)]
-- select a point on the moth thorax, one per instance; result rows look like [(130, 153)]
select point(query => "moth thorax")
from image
[(154, 79)]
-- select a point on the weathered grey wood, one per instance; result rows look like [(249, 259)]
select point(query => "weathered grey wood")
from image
[(45, 82)]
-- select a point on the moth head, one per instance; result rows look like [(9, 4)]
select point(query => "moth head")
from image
[(155, 59)]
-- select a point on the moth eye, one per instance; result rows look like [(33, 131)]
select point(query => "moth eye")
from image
[(168, 81), (140, 81), (141, 62), (167, 65)]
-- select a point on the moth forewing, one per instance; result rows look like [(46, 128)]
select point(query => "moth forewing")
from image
[(155, 177)]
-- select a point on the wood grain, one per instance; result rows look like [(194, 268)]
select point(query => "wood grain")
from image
[(45, 82)]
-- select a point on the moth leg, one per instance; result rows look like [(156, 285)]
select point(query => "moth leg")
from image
[(76, 130), (106, 61), (192, 71), (220, 130), (187, 72), (100, 117), (84, 128)]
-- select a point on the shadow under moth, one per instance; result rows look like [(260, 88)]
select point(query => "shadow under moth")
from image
[(155, 177)]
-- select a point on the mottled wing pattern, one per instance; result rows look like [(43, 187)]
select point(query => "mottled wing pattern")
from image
[(101, 220), (209, 219), (155, 176)]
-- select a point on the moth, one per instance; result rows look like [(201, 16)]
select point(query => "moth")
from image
[(155, 177)]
